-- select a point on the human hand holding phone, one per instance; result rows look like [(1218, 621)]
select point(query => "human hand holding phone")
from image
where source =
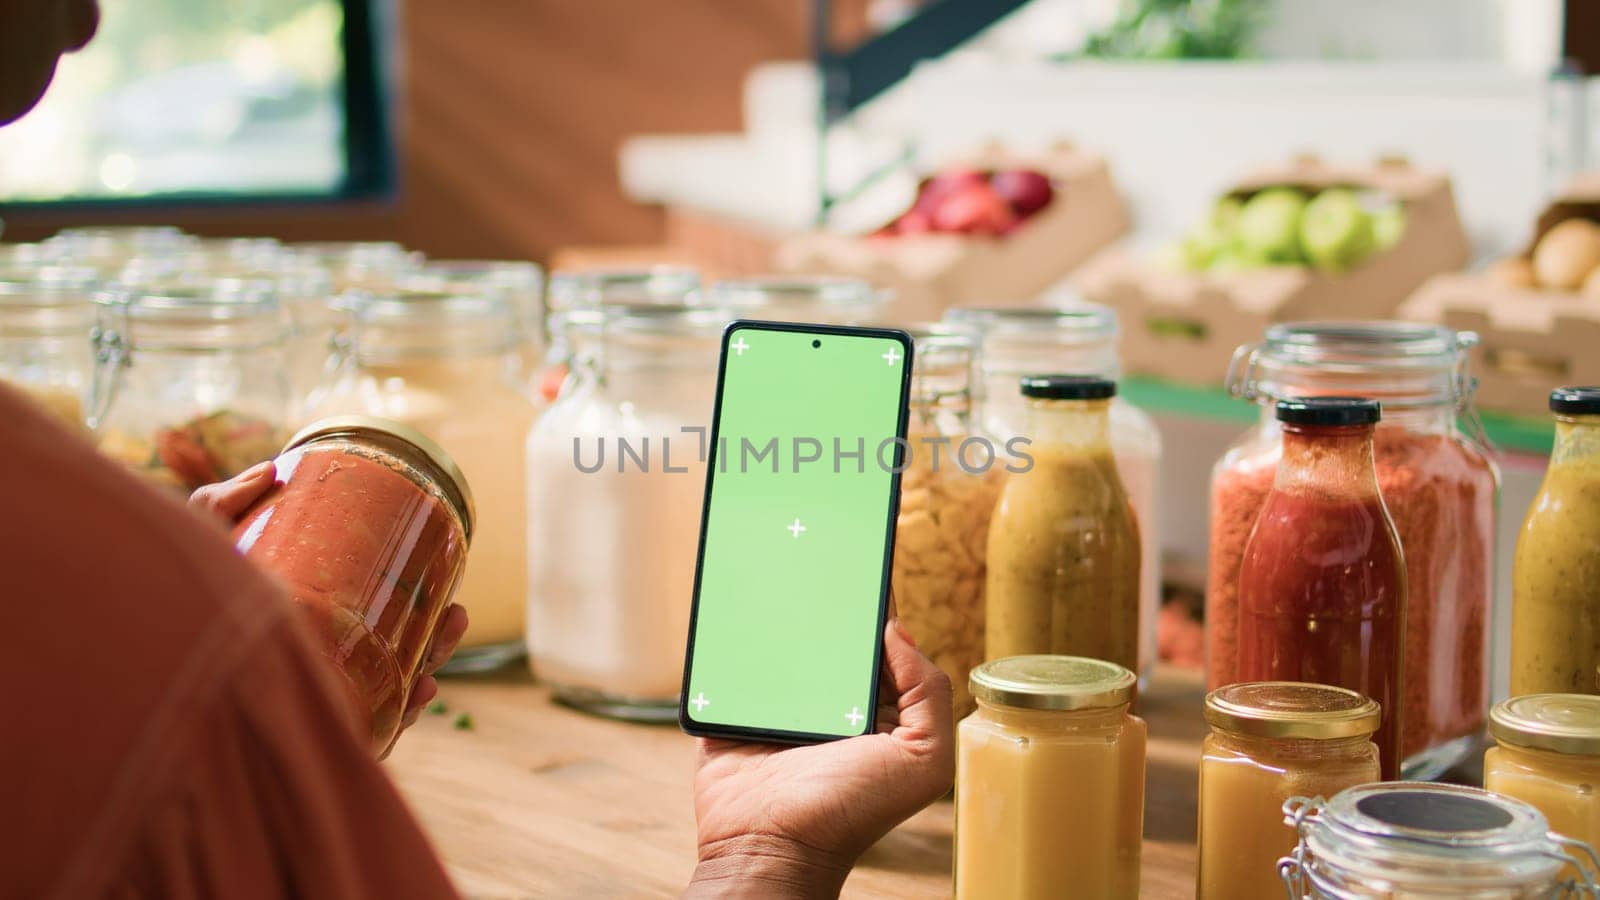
[(790, 821)]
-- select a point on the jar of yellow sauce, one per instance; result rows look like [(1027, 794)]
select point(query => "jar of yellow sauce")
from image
[(1269, 741), (1549, 757), (1050, 782)]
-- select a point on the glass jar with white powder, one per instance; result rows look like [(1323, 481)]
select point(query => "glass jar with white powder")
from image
[(616, 477)]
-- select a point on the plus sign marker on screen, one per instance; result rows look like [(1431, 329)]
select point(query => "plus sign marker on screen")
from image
[(797, 533)]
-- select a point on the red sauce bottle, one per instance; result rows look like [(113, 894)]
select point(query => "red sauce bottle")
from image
[(1322, 583)]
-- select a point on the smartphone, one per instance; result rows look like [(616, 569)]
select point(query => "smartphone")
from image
[(791, 587)]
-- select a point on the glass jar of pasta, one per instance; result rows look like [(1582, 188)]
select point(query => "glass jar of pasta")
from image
[(616, 478), (1080, 338), (46, 315), (447, 365), (948, 491), (1438, 482), (190, 383)]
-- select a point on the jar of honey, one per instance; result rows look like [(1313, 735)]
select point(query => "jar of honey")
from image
[(1050, 782), (1269, 741), (1549, 756)]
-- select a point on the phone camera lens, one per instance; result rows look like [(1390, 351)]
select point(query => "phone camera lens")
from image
[(816, 343)]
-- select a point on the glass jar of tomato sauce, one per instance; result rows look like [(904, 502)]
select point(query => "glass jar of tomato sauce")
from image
[(1548, 755), (1423, 841), (1014, 341), (368, 525), (1439, 483), (1270, 741), (1050, 782), (1322, 583), (191, 382), (447, 364)]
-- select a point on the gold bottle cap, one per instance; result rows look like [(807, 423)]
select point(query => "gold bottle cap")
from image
[(1292, 709), (454, 482), (1052, 682), (1564, 723)]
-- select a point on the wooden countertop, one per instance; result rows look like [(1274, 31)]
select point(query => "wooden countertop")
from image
[(537, 800)]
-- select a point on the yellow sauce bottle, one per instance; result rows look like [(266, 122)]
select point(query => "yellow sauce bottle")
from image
[(1548, 756), (1269, 741), (1555, 575), (1050, 782)]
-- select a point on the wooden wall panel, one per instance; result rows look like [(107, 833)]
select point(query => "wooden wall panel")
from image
[(512, 114)]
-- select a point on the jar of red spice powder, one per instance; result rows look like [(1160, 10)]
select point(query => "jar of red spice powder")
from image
[(1438, 481)]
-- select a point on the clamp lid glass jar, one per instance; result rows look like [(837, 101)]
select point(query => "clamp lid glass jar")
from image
[(616, 477), (1048, 728), (1080, 337), (1549, 756), (367, 525), (46, 316), (948, 490), (797, 298), (190, 383), (1403, 839), (447, 364), (1438, 483)]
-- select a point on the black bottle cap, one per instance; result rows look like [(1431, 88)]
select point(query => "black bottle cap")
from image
[(1328, 411), (1068, 387), (1575, 401)]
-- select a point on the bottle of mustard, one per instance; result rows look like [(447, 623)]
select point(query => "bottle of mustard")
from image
[(1555, 576), (1063, 554)]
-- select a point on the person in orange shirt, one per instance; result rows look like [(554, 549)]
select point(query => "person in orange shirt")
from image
[(171, 731)]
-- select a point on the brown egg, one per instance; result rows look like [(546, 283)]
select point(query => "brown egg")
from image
[(1567, 254), (1513, 271)]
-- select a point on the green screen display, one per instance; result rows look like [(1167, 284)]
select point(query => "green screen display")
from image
[(796, 540)]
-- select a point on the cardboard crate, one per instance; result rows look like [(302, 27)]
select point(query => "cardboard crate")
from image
[(929, 273), (1530, 340), (1186, 325)]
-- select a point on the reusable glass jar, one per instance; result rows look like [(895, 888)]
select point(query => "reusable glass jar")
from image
[(947, 493), (795, 298), (616, 478), (1438, 483), (46, 316), (521, 282), (1548, 756), (574, 297), (1050, 782), (1270, 741), (1416, 840), (1063, 551), (1082, 338), (1555, 576), (189, 383), (368, 525), (373, 266), (108, 248), (447, 365)]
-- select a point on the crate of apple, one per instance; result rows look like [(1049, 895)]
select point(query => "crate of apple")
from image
[(1334, 230), (973, 202)]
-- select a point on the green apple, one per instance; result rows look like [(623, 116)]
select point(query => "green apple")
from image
[(1269, 226), (1225, 215), (1232, 259), (1388, 223), (1336, 231)]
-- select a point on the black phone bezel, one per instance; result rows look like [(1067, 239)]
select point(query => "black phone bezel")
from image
[(718, 730)]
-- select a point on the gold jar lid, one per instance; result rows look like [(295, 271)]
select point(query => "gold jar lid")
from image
[(454, 485), (1292, 709), (1564, 723), (1052, 682)]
